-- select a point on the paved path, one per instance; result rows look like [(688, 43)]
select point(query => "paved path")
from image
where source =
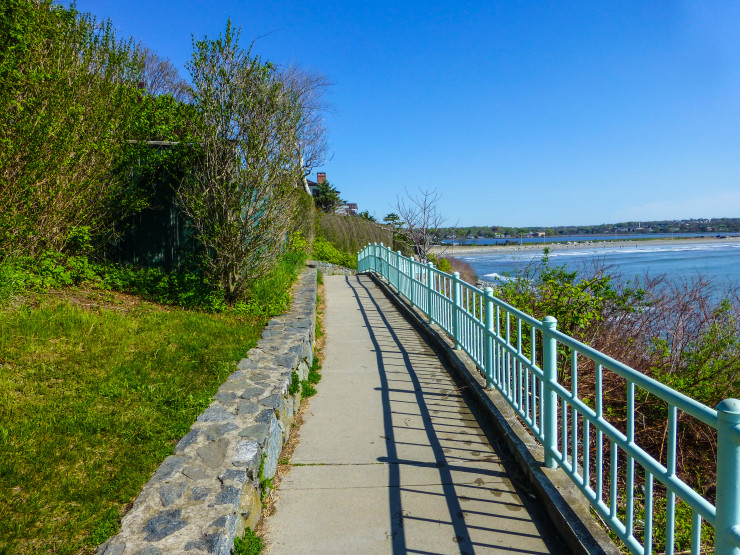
[(390, 458)]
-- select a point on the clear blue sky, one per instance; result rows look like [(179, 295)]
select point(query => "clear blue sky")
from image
[(519, 113)]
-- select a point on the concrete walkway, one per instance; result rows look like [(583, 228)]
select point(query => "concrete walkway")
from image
[(390, 458)]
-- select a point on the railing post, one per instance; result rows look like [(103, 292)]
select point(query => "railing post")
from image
[(375, 258), (728, 477), (381, 258), (411, 264), (456, 309), (488, 342), (549, 399), (430, 290), (401, 272)]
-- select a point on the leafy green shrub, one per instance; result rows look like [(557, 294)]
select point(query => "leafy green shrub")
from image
[(307, 390), (295, 384), (250, 544), (326, 251)]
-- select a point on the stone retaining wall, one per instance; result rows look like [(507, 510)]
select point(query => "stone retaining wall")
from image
[(329, 269), (204, 495)]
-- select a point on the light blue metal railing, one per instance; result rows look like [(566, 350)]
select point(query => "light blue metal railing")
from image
[(518, 355)]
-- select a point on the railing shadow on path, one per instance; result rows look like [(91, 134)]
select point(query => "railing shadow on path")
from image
[(441, 407)]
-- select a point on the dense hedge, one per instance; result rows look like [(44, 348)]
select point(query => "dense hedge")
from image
[(350, 233)]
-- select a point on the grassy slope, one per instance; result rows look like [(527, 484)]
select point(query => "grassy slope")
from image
[(91, 401)]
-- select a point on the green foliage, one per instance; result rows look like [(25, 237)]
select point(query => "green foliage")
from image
[(250, 544), (365, 215), (313, 373), (307, 390), (351, 234), (444, 265), (579, 304), (239, 189), (326, 251), (68, 96), (295, 384), (707, 368), (327, 198)]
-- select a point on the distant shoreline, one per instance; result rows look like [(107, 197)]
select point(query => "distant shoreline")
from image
[(491, 249)]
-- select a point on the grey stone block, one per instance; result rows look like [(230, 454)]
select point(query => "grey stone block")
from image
[(169, 493), (194, 472), (198, 493), (225, 396), (246, 452), (186, 441), (228, 495), (215, 414), (213, 454), (257, 431), (236, 475), (273, 401), (265, 417), (149, 550), (288, 360), (211, 543), (215, 432), (164, 524), (247, 407), (247, 364), (272, 451), (112, 547), (171, 464), (252, 391)]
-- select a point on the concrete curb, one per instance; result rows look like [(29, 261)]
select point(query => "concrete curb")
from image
[(205, 495), (564, 503)]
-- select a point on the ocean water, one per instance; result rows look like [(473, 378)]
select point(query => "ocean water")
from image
[(715, 260)]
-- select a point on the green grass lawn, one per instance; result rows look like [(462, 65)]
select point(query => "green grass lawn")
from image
[(94, 394)]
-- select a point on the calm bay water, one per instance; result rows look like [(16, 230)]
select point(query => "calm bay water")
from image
[(716, 260)]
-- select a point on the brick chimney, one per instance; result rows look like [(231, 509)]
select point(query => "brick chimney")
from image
[(320, 177)]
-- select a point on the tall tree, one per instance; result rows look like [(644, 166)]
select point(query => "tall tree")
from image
[(160, 76), (327, 198), (239, 192), (310, 89)]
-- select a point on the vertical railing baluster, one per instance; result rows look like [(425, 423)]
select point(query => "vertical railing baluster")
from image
[(728, 475), (456, 309), (670, 503), (488, 312), (574, 392), (630, 502), (550, 398), (430, 292), (647, 541), (598, 401)]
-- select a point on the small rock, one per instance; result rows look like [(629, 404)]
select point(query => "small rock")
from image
[(257, 431), (149, 550), (246, 451)]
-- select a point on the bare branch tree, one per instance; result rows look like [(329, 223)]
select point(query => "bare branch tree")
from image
[(420, 219), (160, 76), (240, 191), (310, 88)]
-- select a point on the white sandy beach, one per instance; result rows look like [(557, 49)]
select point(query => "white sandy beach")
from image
[(490, 249)]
